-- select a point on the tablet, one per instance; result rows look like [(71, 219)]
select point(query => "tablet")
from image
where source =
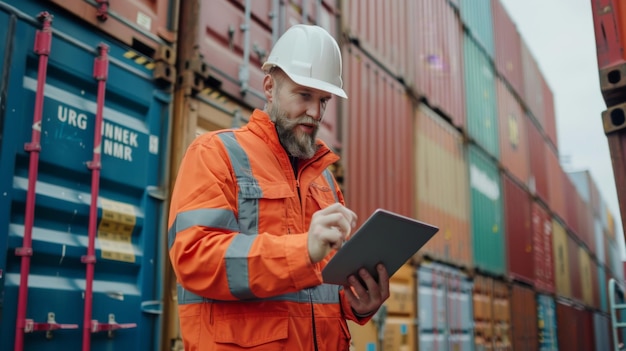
[(385, 237)]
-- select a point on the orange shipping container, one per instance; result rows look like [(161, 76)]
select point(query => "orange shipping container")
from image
[(378, 137), (524, 318), (513, 136), (439, 57), (381, 30), (442, 188), (508, 56), (561, 260), (549, 115), (492, 314)]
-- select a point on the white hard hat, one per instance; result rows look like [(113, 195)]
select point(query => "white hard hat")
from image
[(310, 56)]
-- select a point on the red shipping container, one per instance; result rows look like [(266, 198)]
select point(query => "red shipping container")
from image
[(508, 56), (381, 29), (575, 328), (596, 284), (608, 20), (438, 50), (378, 138), (556, 194), (144, 25), (571, 206), (549, 116), (514, 147), (533, 85), (585, 223), (542, 249), (518, 231), (538, 182), (574, 268)]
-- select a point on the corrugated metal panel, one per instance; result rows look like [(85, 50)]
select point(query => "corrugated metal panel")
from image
[(321, 13), (380, 173), (602, 289), (546, 318), (514, 146), (549, 114), (381, 30), (476, 15), (595, 284), (571, 198), (585, 224), (610, 220), (561, 260), (486, 209), (556, 195), (439, 55), (141, 24), (524, 318), (575, 274), (130, 204), (586, 277), (442, 188), (542, 248), (538, 183), (480, 97), (492, 314), (602, 331), (399, 333), (508, 52), (519, 238), (533, 84)]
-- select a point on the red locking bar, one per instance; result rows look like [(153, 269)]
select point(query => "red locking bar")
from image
[(43, 40)]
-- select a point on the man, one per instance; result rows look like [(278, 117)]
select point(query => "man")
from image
[(256, 215)]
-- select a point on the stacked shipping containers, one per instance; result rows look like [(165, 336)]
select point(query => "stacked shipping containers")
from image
[(449, 120)]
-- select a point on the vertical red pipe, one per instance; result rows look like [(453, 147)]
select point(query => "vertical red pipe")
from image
[(43, 40), (100, 73)]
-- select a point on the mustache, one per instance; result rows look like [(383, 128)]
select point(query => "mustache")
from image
[(306, 120)]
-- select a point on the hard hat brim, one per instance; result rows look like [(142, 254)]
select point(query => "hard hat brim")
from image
[(317, 84)]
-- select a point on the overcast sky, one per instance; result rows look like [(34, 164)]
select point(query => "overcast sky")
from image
[(560, 35)]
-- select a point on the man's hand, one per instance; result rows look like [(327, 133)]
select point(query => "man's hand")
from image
[(367, 299), (329, 228)]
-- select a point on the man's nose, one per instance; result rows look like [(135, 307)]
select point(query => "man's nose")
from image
[(315, 110)]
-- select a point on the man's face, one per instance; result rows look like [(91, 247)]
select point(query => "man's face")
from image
[(297, 112)]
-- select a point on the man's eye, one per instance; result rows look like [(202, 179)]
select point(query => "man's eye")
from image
[(305, 95)]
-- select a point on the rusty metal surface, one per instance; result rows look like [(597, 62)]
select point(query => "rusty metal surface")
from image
[(518, 231), (514, 143)]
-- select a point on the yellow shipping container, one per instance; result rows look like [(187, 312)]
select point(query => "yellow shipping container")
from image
[(561, 260), (402, 292), (586, 277), (398, 335)]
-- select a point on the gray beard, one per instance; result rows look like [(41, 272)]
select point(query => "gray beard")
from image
[(300, 145)]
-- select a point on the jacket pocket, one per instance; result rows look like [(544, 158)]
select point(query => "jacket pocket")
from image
[(264, 208), (269, 331)]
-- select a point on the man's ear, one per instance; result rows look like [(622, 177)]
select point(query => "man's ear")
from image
[(269, 87)]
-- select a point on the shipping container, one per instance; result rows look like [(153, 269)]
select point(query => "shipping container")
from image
[(609, 37), (381, 31), (439, 54), (575, 273), (480, 97), (492, 314), (538, 182), (595, 285), (478, 20), (575, 328), (378, 138), (442, 188), (514, 148), (88, 189), (599, 240), (144, 25), (444, 308), (556, 195), (586, 277), (562, 278), (398, 333), (533, 85), (571, 205), (546, 321), (602, 331), (402, 297), (542, 249), (549, 115), (603, 289), (486, 209), (508, 50), (524, 318), (518, 231), (610, 227), (585, 224)]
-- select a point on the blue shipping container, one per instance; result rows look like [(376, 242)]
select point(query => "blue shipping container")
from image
[(546, 319), (130, 208)]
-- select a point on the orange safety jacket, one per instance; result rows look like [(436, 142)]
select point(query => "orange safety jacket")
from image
[(238, 244)]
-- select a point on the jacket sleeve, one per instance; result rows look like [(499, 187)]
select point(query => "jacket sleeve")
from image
[(208, 254)]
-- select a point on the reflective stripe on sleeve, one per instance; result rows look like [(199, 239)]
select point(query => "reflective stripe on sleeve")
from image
[(321, 294), (213, 218)]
